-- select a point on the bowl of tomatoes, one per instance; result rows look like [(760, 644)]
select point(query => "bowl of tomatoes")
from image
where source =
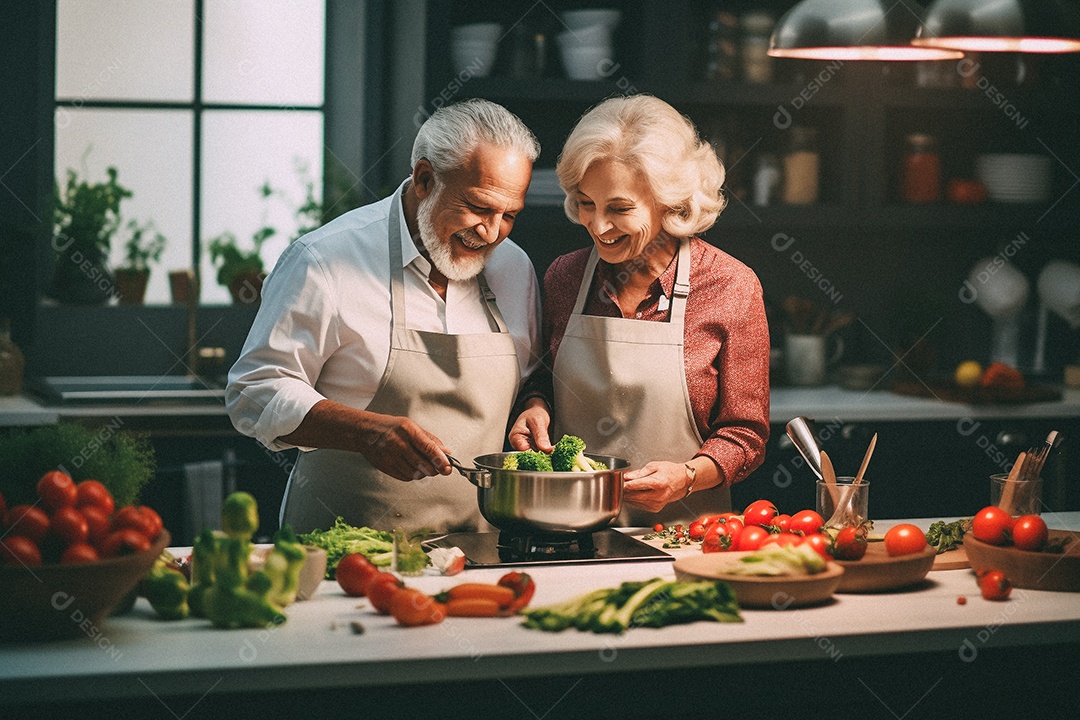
[(1030, 555), (901, 560), (71, 558)]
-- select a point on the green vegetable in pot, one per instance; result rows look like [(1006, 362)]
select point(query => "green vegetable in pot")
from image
[(569, 456)]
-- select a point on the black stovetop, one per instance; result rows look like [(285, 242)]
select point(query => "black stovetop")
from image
[(486, 549)]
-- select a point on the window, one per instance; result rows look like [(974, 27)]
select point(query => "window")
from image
[(198, 104)]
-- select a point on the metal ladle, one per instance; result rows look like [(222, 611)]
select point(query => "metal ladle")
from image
[(801, 432)]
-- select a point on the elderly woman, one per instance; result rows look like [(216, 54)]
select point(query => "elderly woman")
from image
[(657, 343)]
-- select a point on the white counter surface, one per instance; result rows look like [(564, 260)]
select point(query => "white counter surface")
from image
[(136, 655)]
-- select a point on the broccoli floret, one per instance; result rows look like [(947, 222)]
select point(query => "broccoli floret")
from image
[(533, 460), (510, 462), (569, 455)]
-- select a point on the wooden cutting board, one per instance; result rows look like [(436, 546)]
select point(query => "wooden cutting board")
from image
[(952, 560), (951, 392)]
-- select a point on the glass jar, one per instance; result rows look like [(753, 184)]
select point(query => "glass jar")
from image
[(756, 63), (802, 166), (920, 172), (721, 47), (12, 362)]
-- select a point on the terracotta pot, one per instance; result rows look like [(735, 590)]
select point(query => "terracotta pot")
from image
[(183, 286), (246, 289), (131, 285)]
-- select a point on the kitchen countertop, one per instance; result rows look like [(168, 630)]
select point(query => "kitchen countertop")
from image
[(136, 657), (822, 403)]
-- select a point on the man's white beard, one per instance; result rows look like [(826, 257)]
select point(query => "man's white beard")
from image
[(439, 250)]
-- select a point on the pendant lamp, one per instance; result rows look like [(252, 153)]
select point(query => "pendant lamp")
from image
[(853, 30), (1032, 26)]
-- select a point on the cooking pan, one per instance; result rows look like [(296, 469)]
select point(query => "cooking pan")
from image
[(528, 502)]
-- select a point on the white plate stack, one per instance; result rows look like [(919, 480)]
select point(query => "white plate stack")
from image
[(544, 188), (472, 48), (1015, 177), (586, 45)]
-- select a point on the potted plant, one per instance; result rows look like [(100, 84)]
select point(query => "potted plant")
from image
[(241, 271), (85, 218), (143, 247)]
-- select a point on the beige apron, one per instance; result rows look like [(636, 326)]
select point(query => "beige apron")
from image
[(620, 385), (459, 387)]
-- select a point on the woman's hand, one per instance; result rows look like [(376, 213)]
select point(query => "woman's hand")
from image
[(530, 431), (655, 484)]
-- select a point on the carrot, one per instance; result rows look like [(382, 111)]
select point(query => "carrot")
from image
[(473, 607), (499, 594)]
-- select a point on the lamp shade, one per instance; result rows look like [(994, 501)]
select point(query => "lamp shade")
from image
[(1032, 26), (853, 30)]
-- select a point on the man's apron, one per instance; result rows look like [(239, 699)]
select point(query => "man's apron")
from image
[(620, 385), (460, 388)]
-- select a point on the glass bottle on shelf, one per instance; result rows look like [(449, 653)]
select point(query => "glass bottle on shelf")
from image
[(721, 46), (767, 178), (802, 166), (756, 63), (12, 362), (920, 172)]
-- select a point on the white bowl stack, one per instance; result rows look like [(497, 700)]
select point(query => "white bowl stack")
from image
[(586, 45), (472, 48), (1015, 177)]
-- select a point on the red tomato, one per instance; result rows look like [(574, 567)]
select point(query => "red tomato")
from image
[(658, 527), (751, 538), (696, 531), (92, 492), (904, 539), (97, 521), (717, 538), (782, 521), (707, 520), (380, 590), (28, 521), (353, 572), (411, 607), (69, 526), (759, 512), (820, 543), (1029, 533), (735, 526), (991, 525), (133, 518), (56, 490), (19, 550), (783, 539), (850, 543), (125, 541), (994, 585), (152, 519), (79, 553), (806, 522)]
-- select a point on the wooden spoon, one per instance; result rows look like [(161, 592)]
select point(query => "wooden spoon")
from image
[(829, 476), (865, 460)]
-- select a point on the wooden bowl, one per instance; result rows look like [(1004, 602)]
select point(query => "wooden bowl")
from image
[(1030, 570), (49, 602), (752, 591), (877, 571)]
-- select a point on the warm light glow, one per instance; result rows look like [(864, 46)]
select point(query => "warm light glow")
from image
[(1002, 44), (891, 53)]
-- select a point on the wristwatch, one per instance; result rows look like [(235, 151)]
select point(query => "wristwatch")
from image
[(691, 472)]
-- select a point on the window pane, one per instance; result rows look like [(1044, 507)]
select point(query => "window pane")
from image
[(151, 151), (266, 52), (242, 151), (124, 49)]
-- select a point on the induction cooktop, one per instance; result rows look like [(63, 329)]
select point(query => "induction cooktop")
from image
[(486, 549)]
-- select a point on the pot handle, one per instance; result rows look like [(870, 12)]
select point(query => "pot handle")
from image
[(479, 478)]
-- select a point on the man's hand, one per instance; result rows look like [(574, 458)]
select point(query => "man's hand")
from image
[(530, 431)]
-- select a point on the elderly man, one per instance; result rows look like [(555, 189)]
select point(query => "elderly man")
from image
[(399, 333)]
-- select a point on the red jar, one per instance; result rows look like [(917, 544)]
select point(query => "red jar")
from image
[(920, 177)]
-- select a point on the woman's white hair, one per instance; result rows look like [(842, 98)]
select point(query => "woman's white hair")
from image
[(452, 132), (647, 134)]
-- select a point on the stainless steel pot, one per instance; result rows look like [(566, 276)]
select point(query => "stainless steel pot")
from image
[(525, 502)]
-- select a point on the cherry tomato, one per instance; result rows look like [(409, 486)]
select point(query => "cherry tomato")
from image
[(97, 521), (658, 527), (353, 572), (380, 589), (782, 521), (991, 525), (707, 520), (806, 522), (28, 521), (717, 538), (56, 490), (850, 543), (19, 550), (125, 541), (69, 526), (92, 492), (153, 520), (820, 543), (1029, 533), (759, 512), (994, 585), (79, 553), (410, 607), (132, 518), (783, 539), (735, 526), (751, 537), (904, 539), (696, 531)]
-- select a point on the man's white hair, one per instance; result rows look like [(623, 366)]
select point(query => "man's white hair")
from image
[(451, 134)]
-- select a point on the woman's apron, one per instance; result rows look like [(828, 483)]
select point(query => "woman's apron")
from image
[(620, 385), (460, 388)]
